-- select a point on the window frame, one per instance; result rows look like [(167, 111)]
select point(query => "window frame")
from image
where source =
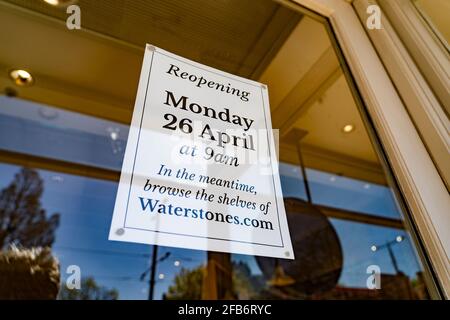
[(429, 53), (423, 107), (419, 181)]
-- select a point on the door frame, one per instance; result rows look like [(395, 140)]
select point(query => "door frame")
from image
[(418, 179)]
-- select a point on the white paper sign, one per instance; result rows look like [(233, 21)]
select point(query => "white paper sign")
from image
[(200, 168)]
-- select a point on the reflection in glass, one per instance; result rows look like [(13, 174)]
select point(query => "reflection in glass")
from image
[(342, 227), (27, 268), (402, 279), (23, 221), (109, 269), (89, 290), (318, 255), (40, 130)]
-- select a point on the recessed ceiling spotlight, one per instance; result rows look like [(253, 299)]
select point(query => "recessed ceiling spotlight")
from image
[(348, 128), (60, 3), (114, 136), (52, 2), (21, 77)]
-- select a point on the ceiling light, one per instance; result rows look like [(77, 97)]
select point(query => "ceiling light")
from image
[(21, 77), (114, 135), (399, 238), (59, 3), (52, 2), (373, 248), (348, 128), (332, 178), (366, 186), (161, 276), (176, 263)]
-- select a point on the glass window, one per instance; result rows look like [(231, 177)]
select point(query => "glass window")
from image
[(120, 270), (84, 208), (45, 131), (62, 141)]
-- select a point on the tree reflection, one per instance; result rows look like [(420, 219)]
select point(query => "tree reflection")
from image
[(187, 285), (27, 268), (28, 274), (89, 290), (23, 221)]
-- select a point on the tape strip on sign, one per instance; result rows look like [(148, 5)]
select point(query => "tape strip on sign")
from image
[(200, 168)]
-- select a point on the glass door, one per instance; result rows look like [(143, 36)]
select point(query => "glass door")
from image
[(63, 136)]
